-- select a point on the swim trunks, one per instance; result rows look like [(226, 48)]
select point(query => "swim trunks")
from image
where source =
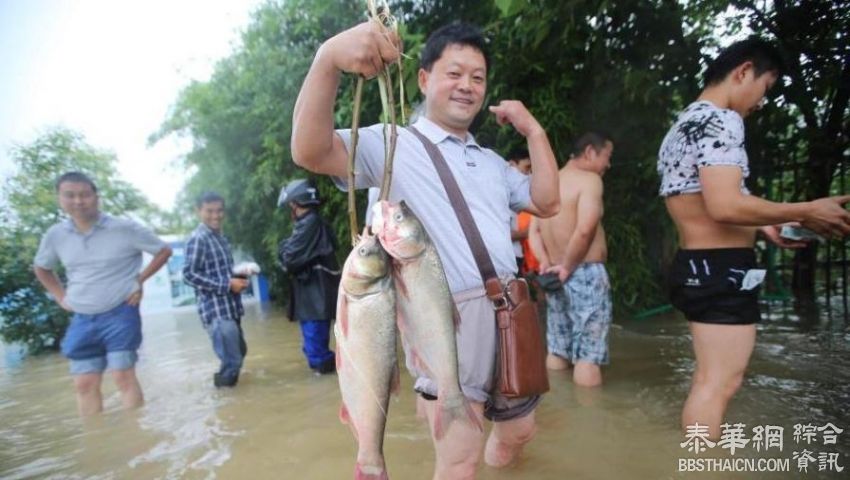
[(716, 285), (578, 316)]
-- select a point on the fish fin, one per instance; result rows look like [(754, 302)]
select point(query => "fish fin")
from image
[(401, 287), (368, 472), (342, 313), (453, 409), (344, 416)]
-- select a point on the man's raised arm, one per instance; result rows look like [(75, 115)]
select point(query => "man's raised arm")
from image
[(545, 199), (362, 50)]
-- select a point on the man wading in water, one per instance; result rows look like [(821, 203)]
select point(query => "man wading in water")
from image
[(453, 79), (714, 279), (102, 256)]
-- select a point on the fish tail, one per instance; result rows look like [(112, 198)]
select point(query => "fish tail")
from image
[(369, 472)]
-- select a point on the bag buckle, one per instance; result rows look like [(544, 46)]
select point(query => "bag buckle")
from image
[(500, 303), (496, 294)]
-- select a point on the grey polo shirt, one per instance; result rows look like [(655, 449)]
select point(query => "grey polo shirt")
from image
[(102, 265), (491, 188)]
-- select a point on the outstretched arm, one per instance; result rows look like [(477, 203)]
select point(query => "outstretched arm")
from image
[(726, 203)]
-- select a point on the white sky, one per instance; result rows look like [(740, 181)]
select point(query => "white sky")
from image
[(110, 69)]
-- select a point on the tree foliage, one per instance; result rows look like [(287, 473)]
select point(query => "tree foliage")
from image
[(241, 121), (624, 67), (27, 315)]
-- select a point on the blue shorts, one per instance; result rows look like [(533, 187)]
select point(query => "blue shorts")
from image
[(578, 316), (110, 339)]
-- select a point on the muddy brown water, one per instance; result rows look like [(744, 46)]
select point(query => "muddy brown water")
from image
[(281, 421)]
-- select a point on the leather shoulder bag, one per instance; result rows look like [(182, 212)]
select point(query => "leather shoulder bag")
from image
[(521, 369)]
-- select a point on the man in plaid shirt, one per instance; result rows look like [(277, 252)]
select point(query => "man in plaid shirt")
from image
[(209, 269)]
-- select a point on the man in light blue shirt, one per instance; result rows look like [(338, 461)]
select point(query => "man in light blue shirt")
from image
[(453, 79), (102, 256)]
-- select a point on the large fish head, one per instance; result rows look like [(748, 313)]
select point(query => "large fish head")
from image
[(400, 231), (366, 265)]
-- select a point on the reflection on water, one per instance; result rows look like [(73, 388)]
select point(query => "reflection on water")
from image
[(281, 421)]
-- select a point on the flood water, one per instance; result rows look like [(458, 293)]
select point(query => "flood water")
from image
[(281, 421)]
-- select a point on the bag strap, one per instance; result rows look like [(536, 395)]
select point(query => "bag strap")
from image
[(492, 284)]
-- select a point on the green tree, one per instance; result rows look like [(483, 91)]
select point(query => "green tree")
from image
[(625, 67), (619, 67), (27, 315), (241, 122), (576, 65)]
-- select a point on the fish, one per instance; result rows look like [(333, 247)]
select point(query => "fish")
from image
[(427, 315), (366, 361)]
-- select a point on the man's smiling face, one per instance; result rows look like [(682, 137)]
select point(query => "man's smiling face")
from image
[(454, 89)]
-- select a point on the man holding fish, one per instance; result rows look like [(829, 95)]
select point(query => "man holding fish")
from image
[(453, 79)]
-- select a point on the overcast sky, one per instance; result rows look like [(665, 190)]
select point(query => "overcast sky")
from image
[(110, 69)]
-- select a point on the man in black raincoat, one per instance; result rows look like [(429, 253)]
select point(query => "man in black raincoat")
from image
[(308, 255)]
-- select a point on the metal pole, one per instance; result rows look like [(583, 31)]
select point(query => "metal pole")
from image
[(843, 186)]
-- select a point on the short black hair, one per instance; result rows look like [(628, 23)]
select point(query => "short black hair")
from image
[(595, 138), (457, 33), (208, 197), (518, 154), (75, 177), (764, 55)]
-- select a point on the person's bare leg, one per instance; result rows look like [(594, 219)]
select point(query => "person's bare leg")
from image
[(459, 451), (722, 354), (587, 374), (87, 389), (128, 385), (507, 440), (421, 414), (554, 362)]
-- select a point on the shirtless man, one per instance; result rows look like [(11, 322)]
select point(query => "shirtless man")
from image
[(572, 245), (714, 279)]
